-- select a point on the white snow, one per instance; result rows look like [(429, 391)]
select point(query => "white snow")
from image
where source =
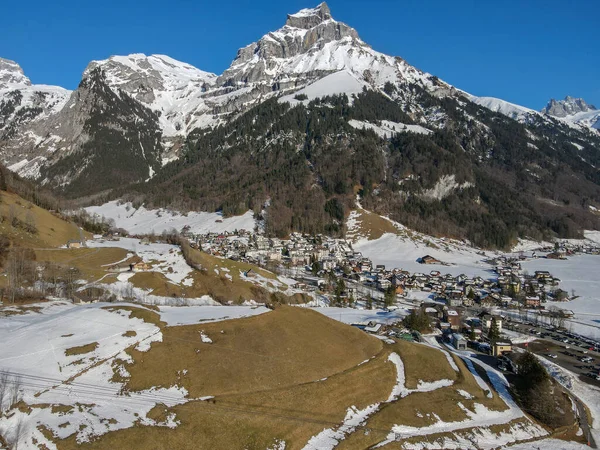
[(362, 316), (444, 187), (187, 315), (144, 221), (403, 252), (342, 82), (176, 88), (501, 106), (34, 347), (165, 258), (329, 438), (388, 128), (578, 273)]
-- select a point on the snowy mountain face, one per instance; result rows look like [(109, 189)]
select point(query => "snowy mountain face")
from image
[(302, 117), (11, 75), (574, 110), (24, 113), (310, 46), (567, 107), (169, 87)]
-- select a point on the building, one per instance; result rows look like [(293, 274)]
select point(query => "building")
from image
[(499, 348), (428, 259), (486, 321), (459, 341), (453, 318), (75, 243)]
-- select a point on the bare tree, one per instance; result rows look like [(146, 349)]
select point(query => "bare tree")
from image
[(4, 380), (12, 215), (30, 225), (17, 434), (14, 272)]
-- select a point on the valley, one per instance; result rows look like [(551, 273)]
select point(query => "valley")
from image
[(317, 246)]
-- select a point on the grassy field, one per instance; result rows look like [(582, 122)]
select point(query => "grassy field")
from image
[(371, 226), (82, 349), (52, 230), (91, 262), (284, 376), (285, 347)]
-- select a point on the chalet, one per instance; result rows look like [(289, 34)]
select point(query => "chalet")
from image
[(453, 318), (374, 328), (428, 259), (383, 284), (139, 266), (75, 243), (455, 301), (445, 326)]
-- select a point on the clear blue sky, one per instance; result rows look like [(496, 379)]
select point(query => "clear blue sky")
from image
[(524, 51)]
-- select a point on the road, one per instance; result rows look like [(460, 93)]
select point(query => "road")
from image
[(581, 410), (567, 354)]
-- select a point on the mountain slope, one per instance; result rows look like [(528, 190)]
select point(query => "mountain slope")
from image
[(24, 113)]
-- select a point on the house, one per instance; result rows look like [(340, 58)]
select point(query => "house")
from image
[(428, 259), (75, 243), (453, 318), (499, 348), (459, 341), (373, 328), (533, 302), (486, 321), (455, 301), (383, 284), (139, 266)]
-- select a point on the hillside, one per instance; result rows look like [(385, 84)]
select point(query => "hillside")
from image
[(256, 382), (28, 225)]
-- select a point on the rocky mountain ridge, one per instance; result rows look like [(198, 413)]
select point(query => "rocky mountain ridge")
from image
[(567, 107)]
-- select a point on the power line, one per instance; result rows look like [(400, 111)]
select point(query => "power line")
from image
[(222, 406)]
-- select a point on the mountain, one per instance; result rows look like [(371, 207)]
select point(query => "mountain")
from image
[(574, 110), (168, 87), (302, 121), (25, 110), (567, 107)]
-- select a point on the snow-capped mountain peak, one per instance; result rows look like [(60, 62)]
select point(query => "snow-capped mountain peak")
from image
[(309, 17), (11, 75), (575, 111), (310, 47), (169, 87), (567, 107)]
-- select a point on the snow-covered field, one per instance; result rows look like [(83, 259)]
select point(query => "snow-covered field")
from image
[(39, 349), (580, 274), (403, 253), (188, 315), (145, 221), (362, 316)]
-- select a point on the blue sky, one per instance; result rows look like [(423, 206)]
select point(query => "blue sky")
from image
[(524, 51)]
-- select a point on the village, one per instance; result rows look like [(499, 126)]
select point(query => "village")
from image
[(331, 269)]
